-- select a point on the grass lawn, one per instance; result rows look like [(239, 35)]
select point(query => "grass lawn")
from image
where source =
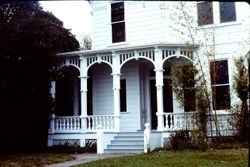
[(211, 158), (32, 160)]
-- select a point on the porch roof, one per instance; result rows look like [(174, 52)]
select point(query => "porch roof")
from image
[(124, 47)]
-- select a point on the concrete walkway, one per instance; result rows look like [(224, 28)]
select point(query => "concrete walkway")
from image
[(85, 158)]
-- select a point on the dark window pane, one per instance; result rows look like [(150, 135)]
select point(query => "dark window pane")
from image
[(205, 13), (118, 32), (117, 12), (227, 12), (221, 97), (219, 72), (123, 96)]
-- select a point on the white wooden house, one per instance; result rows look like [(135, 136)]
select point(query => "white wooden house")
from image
[(123, 82)]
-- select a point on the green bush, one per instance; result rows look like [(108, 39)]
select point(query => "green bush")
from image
[(185, 139)]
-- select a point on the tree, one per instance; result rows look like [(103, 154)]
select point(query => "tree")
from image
[(189, 31), (86, 43), (240, 84), (186, 29), (30, 39)]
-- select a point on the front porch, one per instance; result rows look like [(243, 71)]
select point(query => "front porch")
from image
[(118, 91)]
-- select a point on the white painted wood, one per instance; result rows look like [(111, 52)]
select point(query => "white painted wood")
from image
[(130, 120), (102, 90)]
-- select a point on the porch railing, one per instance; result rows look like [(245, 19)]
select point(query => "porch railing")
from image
[(67, 123), (106, 121), (76, 124), (178, 121)]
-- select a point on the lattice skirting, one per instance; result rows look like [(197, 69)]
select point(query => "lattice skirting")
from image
[(66, 142)]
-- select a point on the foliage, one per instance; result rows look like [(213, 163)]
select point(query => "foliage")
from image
[(186, 29), (220, 158), (240, 85), (185, 79), (29, 160), (185, 139), (30, 39), (86, 43)]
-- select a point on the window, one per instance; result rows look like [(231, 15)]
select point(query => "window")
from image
[(205, 13), (220, 85), (117, 22), (227, 12), (123, 96)]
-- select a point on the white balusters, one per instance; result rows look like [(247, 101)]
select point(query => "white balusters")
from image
[(178, 121), (72, 124), (67, 124), (106, 121)]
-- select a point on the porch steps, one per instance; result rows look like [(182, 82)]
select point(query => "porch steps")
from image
[(126, 142)]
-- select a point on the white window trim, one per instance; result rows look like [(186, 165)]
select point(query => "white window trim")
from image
[(109, 23), (216, 17), (226, 84)]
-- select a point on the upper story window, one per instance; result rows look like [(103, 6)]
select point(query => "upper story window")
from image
[(227, 12), (118, 22), (205, 13), (220, 84)]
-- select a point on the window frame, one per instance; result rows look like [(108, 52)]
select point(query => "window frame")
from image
[(220, 12), (215, 86), (198, 14), (116, 23)]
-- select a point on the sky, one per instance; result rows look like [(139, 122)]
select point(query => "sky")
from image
[(75, 15)]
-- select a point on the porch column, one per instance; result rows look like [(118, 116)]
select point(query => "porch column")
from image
[(159, 89), (53, 89), (116, 89), (52, 98), (53, 95), (83, 83)]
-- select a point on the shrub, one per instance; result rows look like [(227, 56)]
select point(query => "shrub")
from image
[(186, 139)]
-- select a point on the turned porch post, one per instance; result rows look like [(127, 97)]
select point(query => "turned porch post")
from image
[(116, 88), (53, 99), (83, 83), (159, 88)]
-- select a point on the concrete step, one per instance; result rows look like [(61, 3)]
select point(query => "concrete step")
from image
[(111, 151), (131, 134), (128, 138), (125, 146), (126, 142)]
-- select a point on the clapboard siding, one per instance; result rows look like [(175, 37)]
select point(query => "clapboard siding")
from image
[(130, 120), (149, 22), (102, 90), (144, 22), (99, 21)]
